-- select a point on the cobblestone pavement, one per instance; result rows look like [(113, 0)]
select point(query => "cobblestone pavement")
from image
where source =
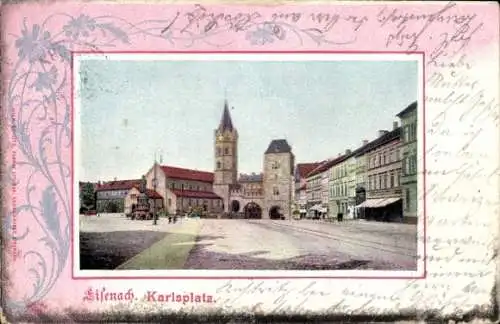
[(303, 245)]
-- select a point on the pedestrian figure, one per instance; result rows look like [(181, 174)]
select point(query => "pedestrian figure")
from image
[(169, 219)]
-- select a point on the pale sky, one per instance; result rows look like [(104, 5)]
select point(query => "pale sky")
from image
[(129, 109)]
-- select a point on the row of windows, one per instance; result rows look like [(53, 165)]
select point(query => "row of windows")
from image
[(253, 193), (275, 165), (343, 207), (339, 172), (181, 186), (410, 165), (315, 195), (227, 151), (112, 193), (410, 133), (384, 157), (339, 190), (383, 181), (197, 202)]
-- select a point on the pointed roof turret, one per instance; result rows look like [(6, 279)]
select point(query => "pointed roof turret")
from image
[(226, 123)]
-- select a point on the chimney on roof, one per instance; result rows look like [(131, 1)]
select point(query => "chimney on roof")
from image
[(115, 178), (340, 154), (382, 132), (365, 142), (395, 125), (347, 152)]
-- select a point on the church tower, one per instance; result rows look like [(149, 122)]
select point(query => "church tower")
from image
[(225, 156)]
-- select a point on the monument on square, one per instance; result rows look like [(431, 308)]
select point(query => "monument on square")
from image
[(142, 209)]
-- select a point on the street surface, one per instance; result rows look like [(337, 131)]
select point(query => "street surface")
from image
[(109, 240), (303, 245)]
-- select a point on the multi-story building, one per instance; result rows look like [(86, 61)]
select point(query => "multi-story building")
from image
[(318, 190), (343, 184), (409, 150), (360, 170), (301, 172), (314, 192), (110, 197), (383, 172), (183, 189)]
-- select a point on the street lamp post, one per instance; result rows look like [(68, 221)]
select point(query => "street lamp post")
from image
[(155, 184)]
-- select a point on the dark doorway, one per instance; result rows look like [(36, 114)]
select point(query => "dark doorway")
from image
[(235, 206), (252, 211), (274, 212)]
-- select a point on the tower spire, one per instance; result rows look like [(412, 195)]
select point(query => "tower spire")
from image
[(226, 123)]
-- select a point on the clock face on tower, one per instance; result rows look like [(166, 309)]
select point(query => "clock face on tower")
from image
[(220, 138)]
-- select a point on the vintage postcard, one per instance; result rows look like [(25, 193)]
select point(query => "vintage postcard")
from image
[(322, 160)]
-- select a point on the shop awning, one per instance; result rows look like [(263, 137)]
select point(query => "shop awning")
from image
[(316, 207), (387, 201), (302, 211), (377, 202), (323, 210)]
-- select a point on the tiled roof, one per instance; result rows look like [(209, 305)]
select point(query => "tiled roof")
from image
[(382, 140), (187, 174), (153, 194), (278, 146), (329, 163), (226, 123), (408, 109), (195, 194), (303, 169), (119, 185), (251, 177)]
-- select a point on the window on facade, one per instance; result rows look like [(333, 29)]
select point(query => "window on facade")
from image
[(383, 158), (169, 202), (219, 165), (414, 164), (392, 180), (385, 181), (412, 132), (218, 151), (226, 151), (407, 199), (397, 180), (379, 181), (276, 191), (275, 165)]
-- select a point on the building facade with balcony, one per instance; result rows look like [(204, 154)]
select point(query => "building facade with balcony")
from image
[(409, 149), (383, 194)]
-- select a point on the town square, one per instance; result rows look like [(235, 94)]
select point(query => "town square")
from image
[(353, 208)]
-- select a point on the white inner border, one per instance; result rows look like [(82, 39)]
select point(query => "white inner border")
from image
[(77, 273)]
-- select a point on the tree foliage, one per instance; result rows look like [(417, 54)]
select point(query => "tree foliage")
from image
[(88, 195)]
